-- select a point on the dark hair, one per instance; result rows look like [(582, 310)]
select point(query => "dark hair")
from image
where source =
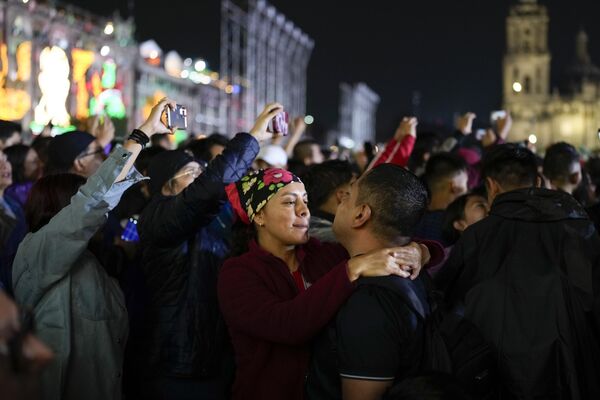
[(433, 386), (145, 158), (593, 168), (157, 138), (8, 128), (16, 156), (48, 196), (583, 193), (442, 166), (397, 198), (559, 159), (303, 149), (426, 143), (40, 145), (322, 180), (455, 212), (511, 165), (241, 236), (201, 147)]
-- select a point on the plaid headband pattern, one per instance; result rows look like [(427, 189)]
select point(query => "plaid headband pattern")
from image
[(251, 193)]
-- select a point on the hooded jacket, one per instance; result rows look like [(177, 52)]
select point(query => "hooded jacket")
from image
[(529, 278)]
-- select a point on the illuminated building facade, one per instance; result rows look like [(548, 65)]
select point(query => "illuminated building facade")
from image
[(570, 112), (60, 66)]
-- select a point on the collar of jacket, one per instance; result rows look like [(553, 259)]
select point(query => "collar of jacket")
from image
[(537, 205), (257, 251)]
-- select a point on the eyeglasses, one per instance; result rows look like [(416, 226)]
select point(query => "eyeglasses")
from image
[(194, 172), (91, 153)]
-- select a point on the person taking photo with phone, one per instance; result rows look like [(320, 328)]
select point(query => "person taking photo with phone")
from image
[(79, 311), (179, 351)]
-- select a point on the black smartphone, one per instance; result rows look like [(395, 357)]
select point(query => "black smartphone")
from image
[(177, 117)]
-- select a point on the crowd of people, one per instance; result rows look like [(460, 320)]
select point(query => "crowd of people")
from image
[(260, 266)]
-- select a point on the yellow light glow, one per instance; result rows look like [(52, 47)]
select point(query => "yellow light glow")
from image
[(82, 60), (14, 103), (24, 61), (109, 29), (54, 84), (229, 89), (517, 87), (96, 84), (151, 101)]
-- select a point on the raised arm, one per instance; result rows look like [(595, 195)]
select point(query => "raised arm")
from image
[(46, 256), (175, 218), (249, 305), (400, 147)]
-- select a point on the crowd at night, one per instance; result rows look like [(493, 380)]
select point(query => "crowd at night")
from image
[(174, 230)]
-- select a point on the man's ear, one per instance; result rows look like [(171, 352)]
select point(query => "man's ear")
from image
[(541, 182), (362, 215), (460, 225), (78, 166), (166, 189), (492, 188), (575, 179), (454, 189)]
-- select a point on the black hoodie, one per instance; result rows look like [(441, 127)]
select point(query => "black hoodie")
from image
[(529, 277)]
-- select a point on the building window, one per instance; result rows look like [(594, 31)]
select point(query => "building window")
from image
[(515, 74), (527, 85)]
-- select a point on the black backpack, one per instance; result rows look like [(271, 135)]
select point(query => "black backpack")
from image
[(452, 345)]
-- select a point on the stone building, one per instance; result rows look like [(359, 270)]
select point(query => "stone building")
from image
[(568, 112)]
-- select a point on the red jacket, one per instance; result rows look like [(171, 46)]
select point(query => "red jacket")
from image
[(271, 323), (395, 152)]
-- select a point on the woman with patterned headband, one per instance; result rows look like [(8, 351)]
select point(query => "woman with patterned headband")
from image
[(284, 289)]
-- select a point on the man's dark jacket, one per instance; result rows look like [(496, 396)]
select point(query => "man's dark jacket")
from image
[(182, 324), (529, 277)]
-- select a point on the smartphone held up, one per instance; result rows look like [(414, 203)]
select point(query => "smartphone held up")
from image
[(496, 115), (176, 118), (279, 124)]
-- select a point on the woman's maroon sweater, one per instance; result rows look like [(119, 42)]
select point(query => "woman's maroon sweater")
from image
[(271, 323)]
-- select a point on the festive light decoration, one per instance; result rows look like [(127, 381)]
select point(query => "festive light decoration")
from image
[(14, 102), (54, 84), (24, 61), (82, 60), (109, 101), (150, 102), (109, 74), (105, 97)]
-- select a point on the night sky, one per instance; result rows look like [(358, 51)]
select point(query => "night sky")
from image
[(449, 51)]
